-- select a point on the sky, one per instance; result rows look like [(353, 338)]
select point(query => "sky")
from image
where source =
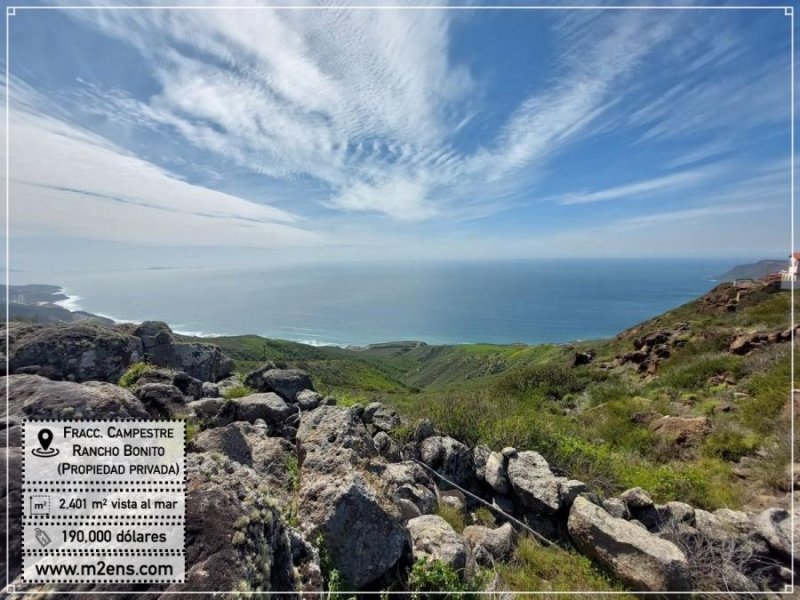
[(186, 137)]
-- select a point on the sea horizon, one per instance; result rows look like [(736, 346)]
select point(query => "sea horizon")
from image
[(357, 304)]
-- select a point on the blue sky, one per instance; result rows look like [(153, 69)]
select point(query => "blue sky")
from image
[(188, 137)]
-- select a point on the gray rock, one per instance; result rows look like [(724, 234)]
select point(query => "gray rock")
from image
[(387, 447), (206, 408), (449, 457), (616, 508), (569, 490), (270, 457), (161, 400), (408, 510), (205, 362), (211, 390), (480, 454), (433, 539), (676, 512), (236, 535), (188, 385), (267, 406), (328, 401), (453, 499), (75, 351), (338, 498), (775, 526), (495, 473), (308, 399), (408, 481), (385, 419), (508, 452), (287, 383), (32, 396), (533, 482), (636, 498), (491, 545), (423, 430), (641, 560), (369, 411)]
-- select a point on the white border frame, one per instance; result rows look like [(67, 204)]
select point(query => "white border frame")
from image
[(788, 11)]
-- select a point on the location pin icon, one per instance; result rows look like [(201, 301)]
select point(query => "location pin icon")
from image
[(45, 439)]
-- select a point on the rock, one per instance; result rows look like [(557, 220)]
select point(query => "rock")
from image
[(534, 483), (223, 385), (448, 457), (741, 345), (569, 490), (583, 358), (270, 457), (676, 512), (162, 400), (616, 508), (495, 473), (74, 351), (308, 400), (267, 406), (424, 430), (408, 481), (205, 362), (387, 447), (480, 454), (641, 560), (328, 401), (432, 538), (682, 431), (508, 452), (36, 397), (408, 510), (211, 390), (236, 536), (380, 417), (775, 526), (454, 499), (636, 498), (287, 383), (188, 385), (491, 545), (206, 408), (340, 500)]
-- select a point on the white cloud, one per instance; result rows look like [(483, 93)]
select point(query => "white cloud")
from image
[(66, 181), (660, 185)]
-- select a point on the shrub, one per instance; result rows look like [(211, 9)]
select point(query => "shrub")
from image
[(293, 467), (435, 576), (550, 380), (695, 373), (452, 515), (133, 373), (483, 516), (238, 391), (730, 443)]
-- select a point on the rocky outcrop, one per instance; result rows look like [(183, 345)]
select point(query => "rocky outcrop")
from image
[(448, 457), (744, 343), (650, 349), (361, 528), (491, 546), (408, 482), (684, 432), (643, 561), (287, 383), (236, 537), (533, 482), (434, 539), (74, 352), (201, 361)]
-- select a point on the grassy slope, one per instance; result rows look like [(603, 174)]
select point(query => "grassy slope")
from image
[(581, 418)]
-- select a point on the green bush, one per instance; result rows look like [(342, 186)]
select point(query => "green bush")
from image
[(549, 380), (484, 516), (238, 391), (695, 373), (730, 443), (452, 515), (435, 576), (133, 373)]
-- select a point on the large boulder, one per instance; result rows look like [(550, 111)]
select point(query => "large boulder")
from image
[(287, 383), (73, 351), (270, 407), (340, 499), (641, 560), (491, 545), (380, 418), (774, 525), (272, 458), (204, 362), (448, 457), (37, 397), (684, 432), (407, 481), (162, 400), (236, 537), (433, 538), (533, 482), (495, 473)]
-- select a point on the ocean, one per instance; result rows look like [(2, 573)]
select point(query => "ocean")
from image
[(358, 304)]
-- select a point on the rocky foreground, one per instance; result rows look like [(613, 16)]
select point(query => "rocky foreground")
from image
[(288, 491)]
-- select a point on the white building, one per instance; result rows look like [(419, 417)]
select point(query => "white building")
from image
[(789, 276)]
